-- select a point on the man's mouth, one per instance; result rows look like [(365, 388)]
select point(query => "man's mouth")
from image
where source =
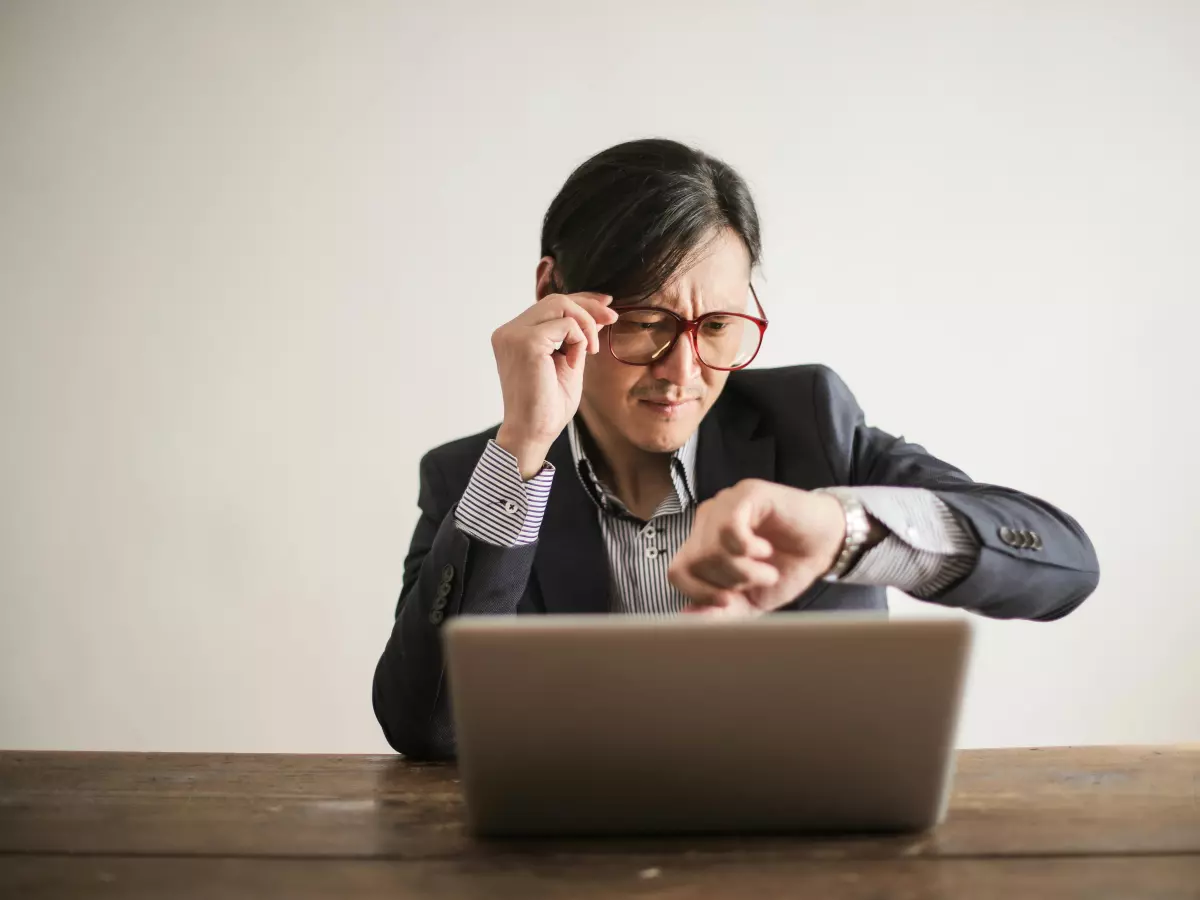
[(667, 407)]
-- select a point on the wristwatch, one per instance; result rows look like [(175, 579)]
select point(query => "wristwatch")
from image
[(858, 530)]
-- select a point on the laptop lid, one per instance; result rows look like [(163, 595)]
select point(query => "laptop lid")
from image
[(630, 724)]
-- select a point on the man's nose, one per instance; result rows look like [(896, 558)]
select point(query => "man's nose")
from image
[(680, 366)]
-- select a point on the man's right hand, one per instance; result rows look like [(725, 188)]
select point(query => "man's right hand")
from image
[(540, 356)]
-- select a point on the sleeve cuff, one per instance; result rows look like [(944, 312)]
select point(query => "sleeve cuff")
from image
[(498, 506), (928, 549)]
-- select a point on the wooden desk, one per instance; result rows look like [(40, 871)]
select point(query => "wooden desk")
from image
[(1088, 822)]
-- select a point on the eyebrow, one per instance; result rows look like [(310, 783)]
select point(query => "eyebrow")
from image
[(674, 305)]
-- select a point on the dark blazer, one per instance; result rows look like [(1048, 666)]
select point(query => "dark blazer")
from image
[(798, 426)]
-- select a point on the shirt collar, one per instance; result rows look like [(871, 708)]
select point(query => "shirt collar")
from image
[(683, 473)]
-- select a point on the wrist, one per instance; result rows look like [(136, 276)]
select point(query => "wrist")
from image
[(834, 518), (530, 455), (857, 532)]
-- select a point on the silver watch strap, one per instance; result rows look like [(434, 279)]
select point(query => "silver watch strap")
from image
[(858, 530)]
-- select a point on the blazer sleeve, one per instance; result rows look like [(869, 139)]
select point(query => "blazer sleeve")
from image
[(1040, 579), (446, 573)]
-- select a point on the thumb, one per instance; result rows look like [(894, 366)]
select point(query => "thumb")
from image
[(571, 357), (742, 536)]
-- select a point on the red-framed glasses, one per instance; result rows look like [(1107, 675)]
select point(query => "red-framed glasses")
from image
[(644, 335)]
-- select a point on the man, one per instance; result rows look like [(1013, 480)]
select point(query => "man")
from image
[(638, 469)]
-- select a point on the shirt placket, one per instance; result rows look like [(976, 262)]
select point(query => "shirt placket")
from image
[(651, 540)]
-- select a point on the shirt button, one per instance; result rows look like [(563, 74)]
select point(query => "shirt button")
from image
[(510, 506), (650, 531), (651, 553)]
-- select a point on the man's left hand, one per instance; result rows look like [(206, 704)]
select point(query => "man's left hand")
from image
[(757, 546)]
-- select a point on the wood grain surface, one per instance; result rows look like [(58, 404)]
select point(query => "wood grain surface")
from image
[(1059, 822)]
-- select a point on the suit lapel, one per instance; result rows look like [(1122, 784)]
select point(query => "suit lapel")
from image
[(570, 565), (732, 448)]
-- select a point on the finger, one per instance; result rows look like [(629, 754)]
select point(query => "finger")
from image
[(759, 548), (701, 611), (560, 333), (595, 305), (574, 353), (696, 589), (739, 572), (591, 297), (738, 607), (737, 535), (598, 305), (742, 608), (568, 308)]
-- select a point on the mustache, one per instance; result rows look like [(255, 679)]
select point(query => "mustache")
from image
[(658, 395)]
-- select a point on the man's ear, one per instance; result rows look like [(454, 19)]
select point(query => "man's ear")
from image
[(546, 282)]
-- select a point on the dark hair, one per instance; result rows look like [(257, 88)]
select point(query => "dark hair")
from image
[(630, 217)]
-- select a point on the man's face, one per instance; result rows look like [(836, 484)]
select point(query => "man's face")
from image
[(656, 408)]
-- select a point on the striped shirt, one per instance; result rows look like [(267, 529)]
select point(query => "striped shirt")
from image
[(640, 552), (927, 548)]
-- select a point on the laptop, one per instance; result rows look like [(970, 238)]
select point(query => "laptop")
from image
[(606, 725)]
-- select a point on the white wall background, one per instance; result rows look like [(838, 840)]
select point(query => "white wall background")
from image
[(251, 253)]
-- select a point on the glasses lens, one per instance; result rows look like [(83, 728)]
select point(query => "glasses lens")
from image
[(642, 336), (727, 341)]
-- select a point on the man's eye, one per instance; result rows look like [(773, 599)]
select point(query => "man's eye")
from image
[(641, 323)]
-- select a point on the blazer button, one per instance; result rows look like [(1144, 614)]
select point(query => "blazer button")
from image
[(1037, 540), (447, 574), (435, 617), (443, 590), (440, 602), (1007, 536)]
